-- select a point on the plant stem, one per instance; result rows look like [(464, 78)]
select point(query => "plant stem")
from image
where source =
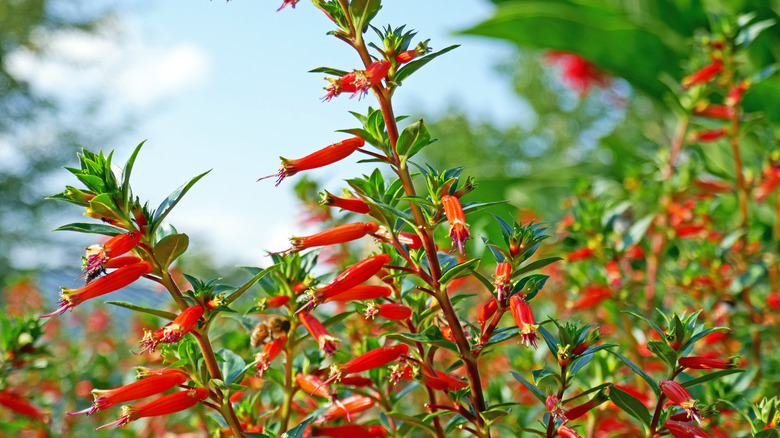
[(289, 388), (561, 391), (677, 144)]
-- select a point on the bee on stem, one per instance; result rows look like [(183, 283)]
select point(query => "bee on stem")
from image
[(273, 327)]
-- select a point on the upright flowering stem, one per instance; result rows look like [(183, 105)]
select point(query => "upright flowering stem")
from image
[(466, 354)]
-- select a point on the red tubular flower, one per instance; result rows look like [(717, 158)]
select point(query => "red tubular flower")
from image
[(396, 312), (735, 93), (361, 292), (681, 397), (567, 432), (554, 406), (349, 431), (118, 262), (286, 3), (334, 236), (323, 157), (21, 406), (350, 405), (453, 383), (98, 255), (486, 312), (356, 381), (705, 363), (583, 253), (273, 302), (167, 404), (358, 82), (614, 275), (313, 385), (524, 318), (705, 74), (718, 112), (708, 135), (155, 384), (116, 280), (270, 350), (592, 296), (503, 280), (459, 230), (172, 332), (353, 276), (577, 73), (320, 334), (353, 204), (580, 410), (369, 360), (680, 429)]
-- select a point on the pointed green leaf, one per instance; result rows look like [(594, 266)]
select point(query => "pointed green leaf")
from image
[(650, 381), (106, 230), (156, 312), (170, 247), (630, 405), (126, 175), (531, 387), (173, 199), (415, 65)]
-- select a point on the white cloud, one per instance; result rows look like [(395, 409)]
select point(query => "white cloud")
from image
[(116, 63)]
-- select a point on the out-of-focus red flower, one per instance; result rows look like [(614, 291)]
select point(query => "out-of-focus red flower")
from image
[(583, 253), (705, 74), (21, 406), (705, 363), (592, 295), (577, 73), (350, 405)]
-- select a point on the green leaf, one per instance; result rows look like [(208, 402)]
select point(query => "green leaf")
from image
[(240, 291), (173, 199), (330, 71), (459, 270), (636, 231), (538, 264), (432, 335), (363, 11), (297, 431), (106, 230), (156, 312), (650, 381), (415, 65), (550, 340), (104, 205), (126, 176), (170, 247), (232, 367), (664, 352), (413, 139), (652, 324), (408, 419), (531, 387), (601, 34), (710, 376), (768, 433), (630, 405), (749, 34)]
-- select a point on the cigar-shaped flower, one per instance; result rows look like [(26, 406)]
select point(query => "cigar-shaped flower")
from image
[(358, 82), (706, 363), (486, 312), (272, 302), (334, 236), (349, 431), (155, 384), (459, 230), (580, 410), (116, 280), (502, 280), (367, 361), (360, 292), (524, 318), (707, 135), (681, 397), (270, 350), (327, 343), (353, 204), (396, 312), (350, 405), (353, 276), (713, 111), (167, 404), (323, 157), (98, 255), (567, 432), (21, 406), (681, 429), (705, 74), (315, 386), (172, 332)]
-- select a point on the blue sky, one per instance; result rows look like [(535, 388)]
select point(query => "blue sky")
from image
[(225, 86)]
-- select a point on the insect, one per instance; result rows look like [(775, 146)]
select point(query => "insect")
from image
[(273, 327), (259, 333)]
